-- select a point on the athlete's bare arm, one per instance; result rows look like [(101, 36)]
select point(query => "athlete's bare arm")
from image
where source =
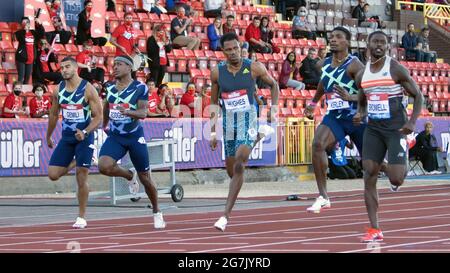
[(53, 118), (354, 68), (96, 108), (214, 106), (309, 110), (362, 100), (260, 71), (401, 76), (140, 112), (105, 113)]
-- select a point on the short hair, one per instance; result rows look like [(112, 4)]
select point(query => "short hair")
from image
[(425, 29), (428, 123), (88, 43), (366, 5), (230, 16), (218, 18), (150, 80), (25, 18), (348, 35), (230, 36), (87, 2), (256, 18), (311, 49), (37, 85), (157, 27), (16, 83), (127, 13), (161, 87), (69, 59), (377, 32), (180, 7), (410, 24)]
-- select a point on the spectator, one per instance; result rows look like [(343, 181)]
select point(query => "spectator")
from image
[(289, 72), (267, 34), (84, 26), (40, 105), (12, 106), (322, 54), (167, 99), (308, 70), (253, 37), (179, 33), (156, 7), (213, 8), (424, 45), (47, 68), (426, 149), (215, 33), (55, 8), (189, 98), (228, 26), (154, 101), (111, 5), (27, 48), (87, 64), (205, 96), (184, 4), (158, 45), (48, 4), (301, 28), (61, 35), (358, 11), (282, 4), (364, 20), (410, 44), (123, 37), (337, 162)]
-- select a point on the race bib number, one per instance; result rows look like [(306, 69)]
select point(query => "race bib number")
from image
[(127, 35), (334, 102), (115, 115), (378, 106), (73, 112), (236, 101)]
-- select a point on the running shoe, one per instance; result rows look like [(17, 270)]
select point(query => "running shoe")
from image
[(80, 223), (319, 204), (265, 130), (394, 188), (372, 235), (133, 184), (221, 224), (158, 220)]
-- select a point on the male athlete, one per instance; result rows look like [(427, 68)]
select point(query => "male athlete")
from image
[(337, 83), (126, 102), (79, 102), (233, 81), (380, 98)]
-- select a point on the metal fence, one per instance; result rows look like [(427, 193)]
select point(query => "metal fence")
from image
[(296, 136)]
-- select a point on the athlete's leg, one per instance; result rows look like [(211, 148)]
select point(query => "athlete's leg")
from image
[(371, 169), (229, 164), (397, 157), (241, 158), (61, 161), (83, 189), (323, 138), (110, 153)]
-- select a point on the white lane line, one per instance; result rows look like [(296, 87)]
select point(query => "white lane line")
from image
[(285, 250), (89, 232), (266, 237), (399, 245), (144, 250), (31, 238), (26, 250), (144, 238), (419, 250), (83, 243), (194, 243)]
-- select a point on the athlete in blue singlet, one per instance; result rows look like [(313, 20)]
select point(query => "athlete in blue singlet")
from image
[(126, 102), (233, 82), (79, 101), (338, 85)]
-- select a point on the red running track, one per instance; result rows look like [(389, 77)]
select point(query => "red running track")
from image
[(417, 221)]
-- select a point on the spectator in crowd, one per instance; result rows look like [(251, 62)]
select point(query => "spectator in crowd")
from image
[(426, 149), (187, 8), (289, 72), (48, 4), (213, 8), (158, 45), (123, 37), (87, 64), (188, 98), (154, 101), (215, 33), (111, 5), (228, 26), (337, 161), (179, 31), (363, 19), (55, 9), (40, 105), (61, 35), (154, 6), (267, 34), (322, 54), (410, 44), (301, 28), (85, 18), (205, 96), (46, 69), (281, 6), (167, 99), (253, 37), (424, 45), (308, 70), (12, 106), (26, 51), (358, 11)]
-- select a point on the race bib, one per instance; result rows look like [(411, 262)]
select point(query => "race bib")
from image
[(115, 115), (236, 101), (378, 106), (73, 112), (334, 102), (127, 35)]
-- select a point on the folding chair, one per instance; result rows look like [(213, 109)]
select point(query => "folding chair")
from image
[(414, 163)]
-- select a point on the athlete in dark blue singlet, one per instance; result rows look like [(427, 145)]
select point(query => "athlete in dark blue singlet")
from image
[(81, 114), (233, 82)]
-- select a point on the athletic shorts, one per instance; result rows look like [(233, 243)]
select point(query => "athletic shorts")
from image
[(341, 128), (242, 129), (377, 141), (70, 147), (117, 146)]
